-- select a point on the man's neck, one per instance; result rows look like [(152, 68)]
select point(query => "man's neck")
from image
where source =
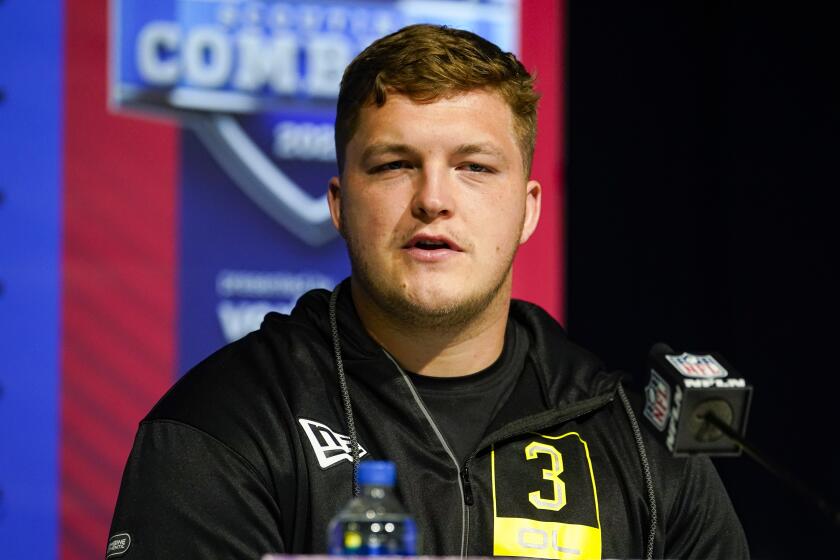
[(438, 351)]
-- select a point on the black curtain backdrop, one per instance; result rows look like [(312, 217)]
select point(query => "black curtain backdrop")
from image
[(703, 156)]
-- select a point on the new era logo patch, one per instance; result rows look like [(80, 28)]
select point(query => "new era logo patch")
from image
[(118, 545), (329, 446)]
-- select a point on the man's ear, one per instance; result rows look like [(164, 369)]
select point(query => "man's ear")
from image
[(334, 201), (533, 200)]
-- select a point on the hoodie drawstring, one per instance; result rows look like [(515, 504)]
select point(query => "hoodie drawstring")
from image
[(345, 392), (640, 445)]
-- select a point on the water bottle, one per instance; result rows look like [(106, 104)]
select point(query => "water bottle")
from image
[(375, 523)]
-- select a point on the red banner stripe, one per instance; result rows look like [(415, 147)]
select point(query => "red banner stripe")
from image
[(538, 273), (119, 273)]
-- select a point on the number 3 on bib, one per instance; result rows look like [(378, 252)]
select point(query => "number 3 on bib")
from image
[(558, 500)]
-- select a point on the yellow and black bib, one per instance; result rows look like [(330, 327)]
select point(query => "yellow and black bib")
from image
[(541, 514)]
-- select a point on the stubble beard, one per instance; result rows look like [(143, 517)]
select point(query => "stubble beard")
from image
[(400, 308)]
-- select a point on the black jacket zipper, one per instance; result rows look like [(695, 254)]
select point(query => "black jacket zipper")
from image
[(465, 513), (465, 480)]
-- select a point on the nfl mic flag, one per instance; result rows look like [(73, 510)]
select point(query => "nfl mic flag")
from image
[(683, 389)]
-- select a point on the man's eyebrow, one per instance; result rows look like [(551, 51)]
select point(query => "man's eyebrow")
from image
[(481, 148), (379, 149), (384, 148)]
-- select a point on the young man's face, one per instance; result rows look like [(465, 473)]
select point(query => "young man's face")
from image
[(433, 203)]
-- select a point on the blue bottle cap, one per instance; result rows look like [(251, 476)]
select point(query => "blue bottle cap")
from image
[(377, 473)]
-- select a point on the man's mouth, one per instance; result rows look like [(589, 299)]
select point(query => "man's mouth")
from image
[(431, 243)]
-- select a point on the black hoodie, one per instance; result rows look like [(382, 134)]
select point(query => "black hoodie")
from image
[(247, 454)]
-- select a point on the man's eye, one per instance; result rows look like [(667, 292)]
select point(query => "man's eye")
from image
[(390, 166), (476, 168)]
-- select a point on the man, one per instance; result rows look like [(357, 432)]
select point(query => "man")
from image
[(508, 439)]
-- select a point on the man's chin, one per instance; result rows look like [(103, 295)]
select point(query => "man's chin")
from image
[(426, 302), (439, 309)]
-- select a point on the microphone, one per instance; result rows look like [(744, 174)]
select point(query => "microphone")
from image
[(696, 402)]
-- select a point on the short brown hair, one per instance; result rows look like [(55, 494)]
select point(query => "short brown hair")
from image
[(428, 62)]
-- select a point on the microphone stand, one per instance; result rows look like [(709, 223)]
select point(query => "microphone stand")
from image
[(805, 492)]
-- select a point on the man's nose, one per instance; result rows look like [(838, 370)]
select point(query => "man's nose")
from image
[(433, 196)]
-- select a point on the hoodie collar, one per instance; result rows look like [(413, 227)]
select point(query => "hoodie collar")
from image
[(566, 372), (356, 343)]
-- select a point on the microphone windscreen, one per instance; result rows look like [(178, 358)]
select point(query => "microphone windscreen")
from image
[(682, 388)]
